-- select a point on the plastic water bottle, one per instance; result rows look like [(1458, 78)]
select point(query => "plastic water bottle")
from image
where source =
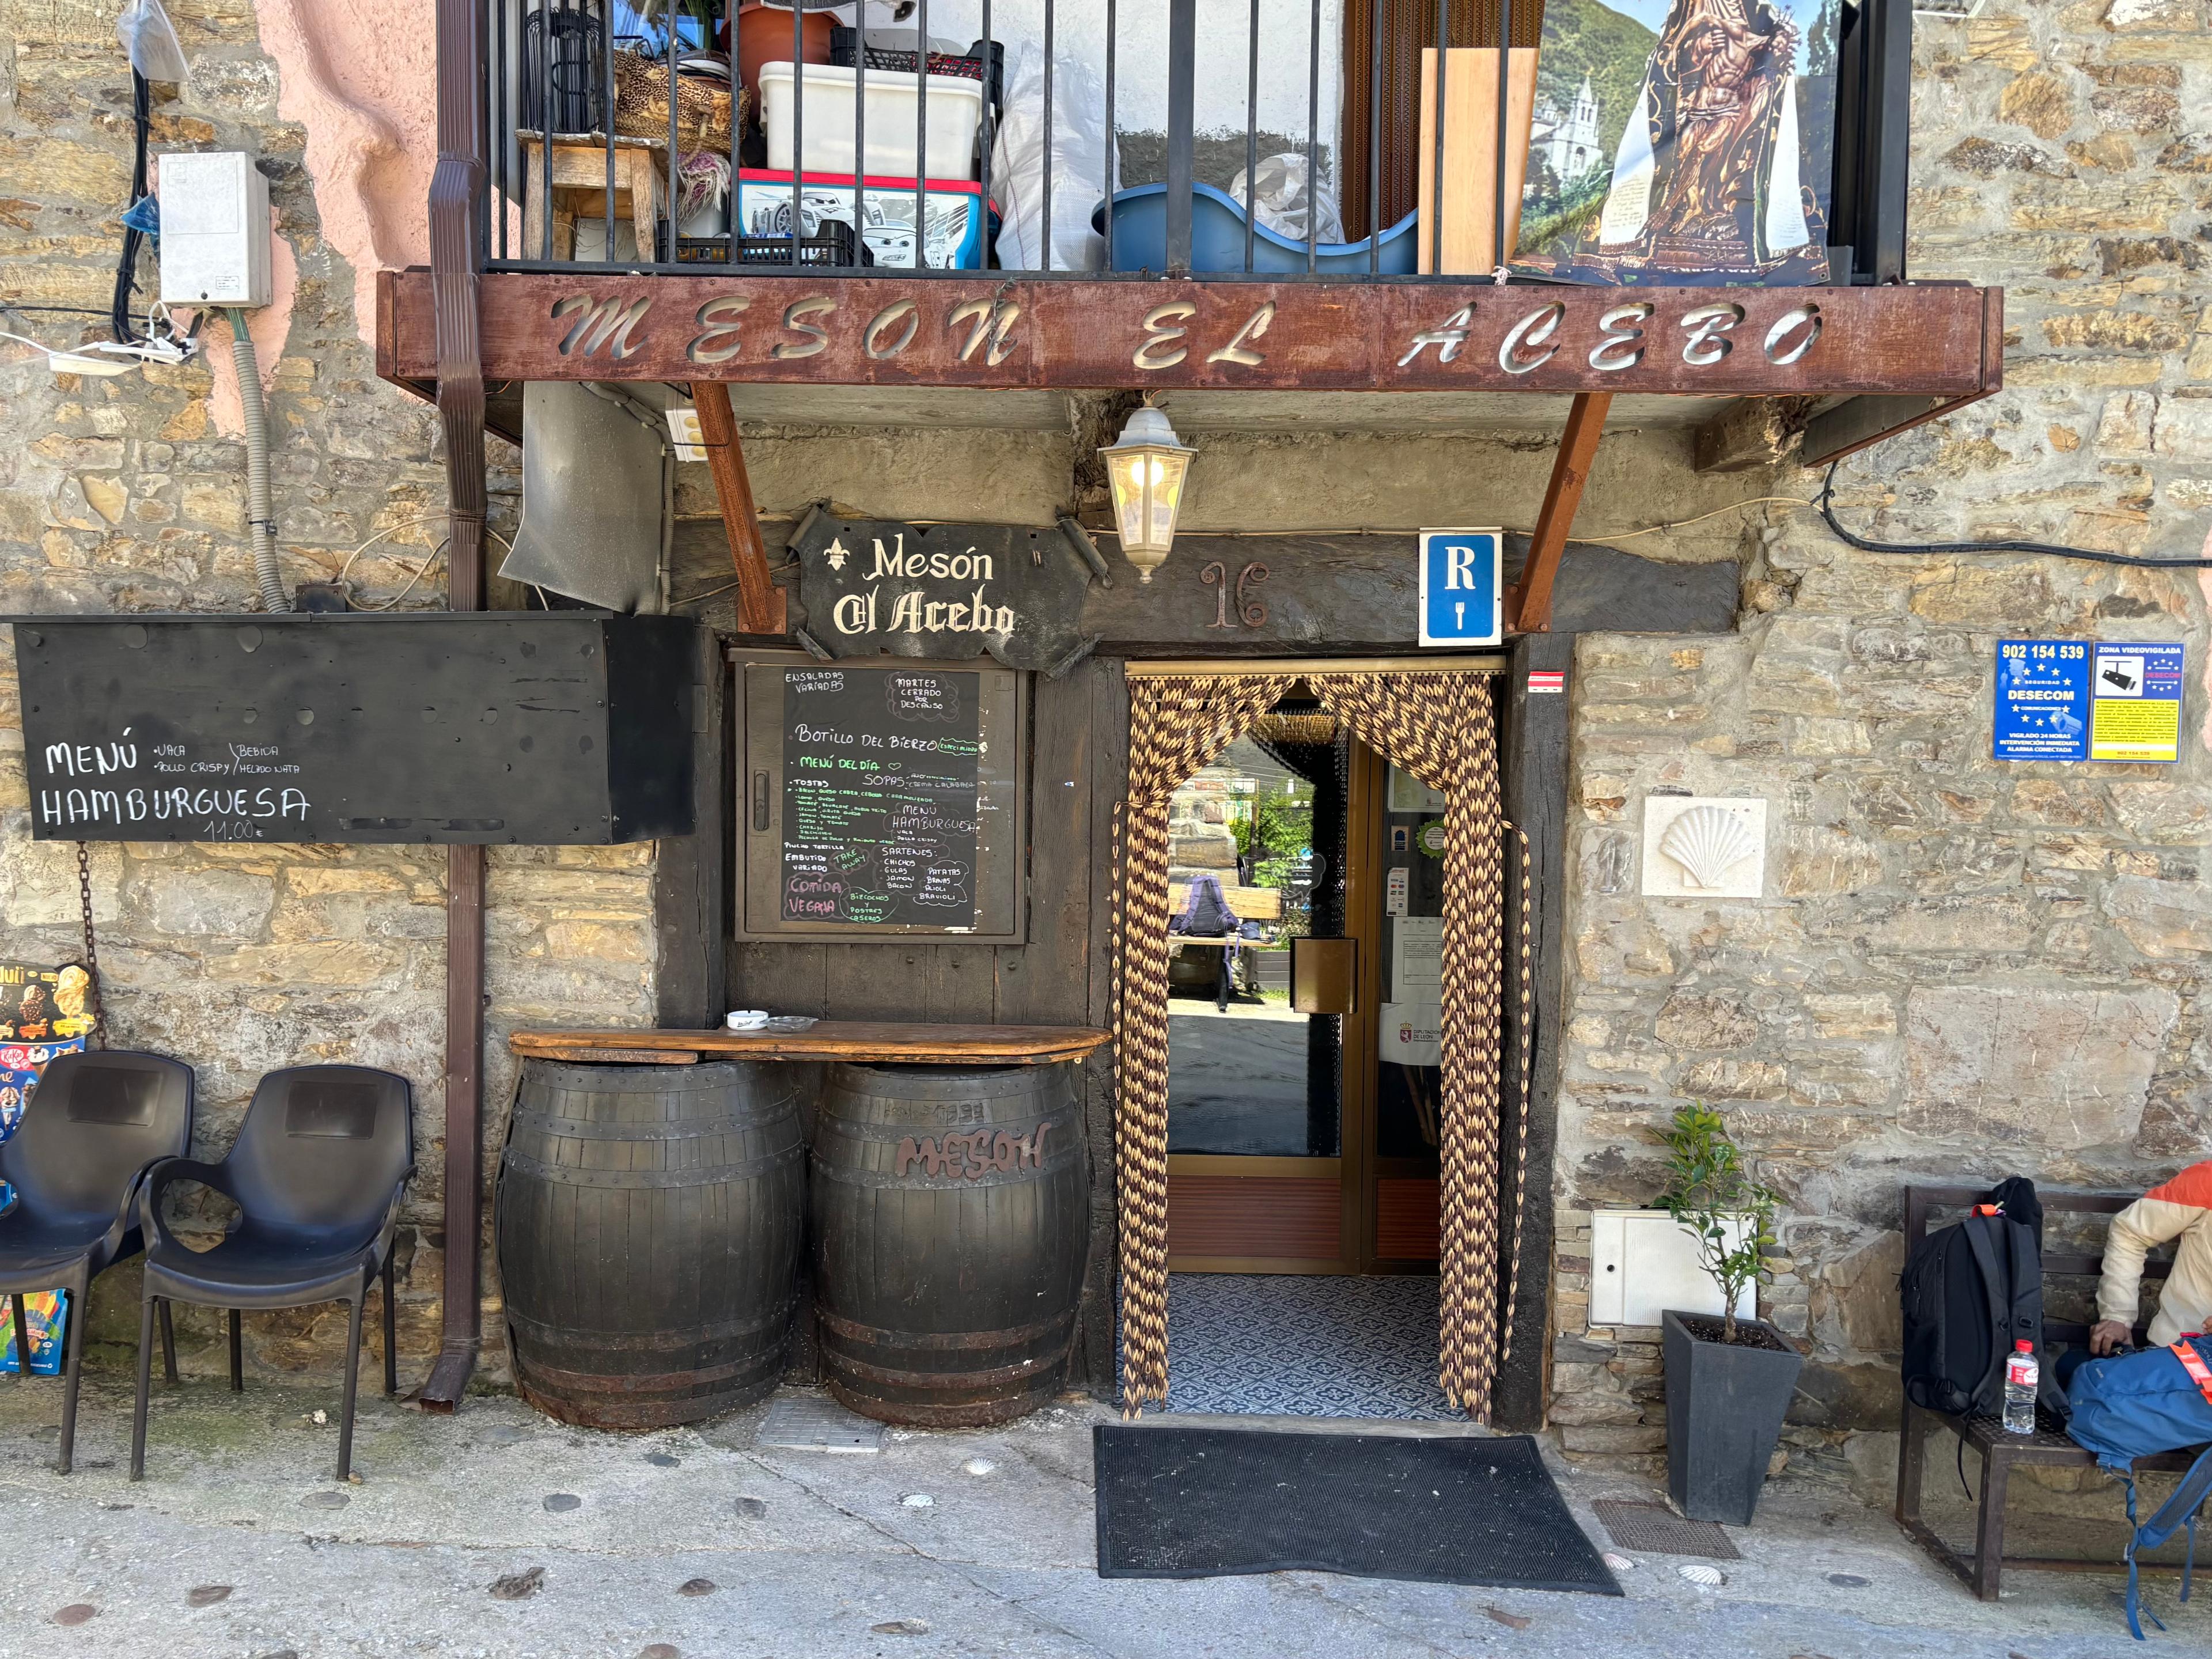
[(2022, 1374)]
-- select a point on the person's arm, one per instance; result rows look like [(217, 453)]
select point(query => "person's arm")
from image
[(2137, 1230)]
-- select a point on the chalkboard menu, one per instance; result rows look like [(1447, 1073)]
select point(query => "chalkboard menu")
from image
[(884, 802), (570, 728)]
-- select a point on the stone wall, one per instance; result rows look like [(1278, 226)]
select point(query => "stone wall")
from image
[(1961, 968), (126, 494)]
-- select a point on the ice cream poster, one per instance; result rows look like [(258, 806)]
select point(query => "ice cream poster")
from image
[(43, 1012), (1682, 141)]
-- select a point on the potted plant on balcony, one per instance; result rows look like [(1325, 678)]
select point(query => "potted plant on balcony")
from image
[(1728, 1379)]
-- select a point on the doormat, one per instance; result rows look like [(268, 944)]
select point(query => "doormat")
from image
[(1658, 1530), (1298, 1345), (1191, 1503)]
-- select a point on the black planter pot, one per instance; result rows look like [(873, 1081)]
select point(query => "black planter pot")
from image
[(1724, 1409)]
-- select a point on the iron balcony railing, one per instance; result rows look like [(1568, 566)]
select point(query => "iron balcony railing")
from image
[(563, 143)]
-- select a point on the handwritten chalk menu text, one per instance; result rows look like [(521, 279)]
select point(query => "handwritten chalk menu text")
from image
[(550, 730), (884, 801), (879, 797)]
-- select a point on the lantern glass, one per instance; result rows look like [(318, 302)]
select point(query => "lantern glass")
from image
[(1145, 469)]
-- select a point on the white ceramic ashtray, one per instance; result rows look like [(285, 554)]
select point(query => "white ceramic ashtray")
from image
[(747, 1019)]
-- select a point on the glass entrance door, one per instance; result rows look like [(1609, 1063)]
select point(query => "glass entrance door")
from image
[(1271, 862)]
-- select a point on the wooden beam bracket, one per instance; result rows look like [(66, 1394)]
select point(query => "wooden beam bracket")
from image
[(1529, 601), (760, 602)]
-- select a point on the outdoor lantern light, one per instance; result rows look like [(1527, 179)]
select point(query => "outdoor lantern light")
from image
[(1145, 467)]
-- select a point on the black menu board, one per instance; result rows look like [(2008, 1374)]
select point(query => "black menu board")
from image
[(882, 802), (879, 797)]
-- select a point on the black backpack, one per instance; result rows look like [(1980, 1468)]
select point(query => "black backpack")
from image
[(1970, 1292)]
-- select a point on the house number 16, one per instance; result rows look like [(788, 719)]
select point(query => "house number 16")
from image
[(1252, 612)]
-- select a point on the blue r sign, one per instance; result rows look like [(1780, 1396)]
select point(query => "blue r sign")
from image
[(1462, 587)]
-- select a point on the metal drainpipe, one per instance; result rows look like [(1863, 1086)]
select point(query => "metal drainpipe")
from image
[(260, 517), (456, 199)]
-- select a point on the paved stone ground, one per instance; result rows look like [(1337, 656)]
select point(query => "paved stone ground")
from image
[(809, 1556)]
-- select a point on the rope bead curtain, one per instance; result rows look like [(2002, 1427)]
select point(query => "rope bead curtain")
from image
[(1439, 727)]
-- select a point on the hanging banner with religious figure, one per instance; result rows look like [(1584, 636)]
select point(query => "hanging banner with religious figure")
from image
[(1682, 142), (950, 591)]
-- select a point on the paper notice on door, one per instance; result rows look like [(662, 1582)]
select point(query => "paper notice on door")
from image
[(1417, 949), (1396, 890), (1413, 1033)]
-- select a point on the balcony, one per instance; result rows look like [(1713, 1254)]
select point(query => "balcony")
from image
[(1012, 196)]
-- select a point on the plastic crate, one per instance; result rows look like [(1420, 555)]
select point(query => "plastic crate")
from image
[(969, 65), (833, 245)]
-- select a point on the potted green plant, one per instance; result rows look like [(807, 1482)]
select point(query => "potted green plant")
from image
[(1728, 1379)]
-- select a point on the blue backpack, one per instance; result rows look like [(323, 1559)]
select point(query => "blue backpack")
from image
[(2135, 1406)]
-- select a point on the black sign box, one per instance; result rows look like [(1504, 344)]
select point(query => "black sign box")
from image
[(566, 729)]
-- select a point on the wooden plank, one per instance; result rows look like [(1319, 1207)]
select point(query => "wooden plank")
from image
[(1109, 777), (1048, 978), (845, 1039), (1470, 206), (689, 939), (1361, 595), (1529, 601), (1534, 774), (1148, 333), (760, 604), (623, 1056)]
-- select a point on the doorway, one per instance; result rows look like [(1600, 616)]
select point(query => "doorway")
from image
[(1305, 899)]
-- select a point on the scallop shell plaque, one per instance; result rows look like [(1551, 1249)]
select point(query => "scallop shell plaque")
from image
[(1713, 848)]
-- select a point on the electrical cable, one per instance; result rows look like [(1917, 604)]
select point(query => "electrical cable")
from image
[(2051, 549), (127, 266)]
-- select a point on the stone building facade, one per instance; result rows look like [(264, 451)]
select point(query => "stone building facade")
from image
[(1957, 963), (1962, 967), (128, 494)]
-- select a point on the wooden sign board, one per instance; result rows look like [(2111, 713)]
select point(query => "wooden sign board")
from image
[(950, 591), (1421, 335)]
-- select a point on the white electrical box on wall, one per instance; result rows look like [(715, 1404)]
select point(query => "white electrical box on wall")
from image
[(1644, 1263), (215, 229)]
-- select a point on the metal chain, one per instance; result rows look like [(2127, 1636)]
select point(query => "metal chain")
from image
[(99, 1037)]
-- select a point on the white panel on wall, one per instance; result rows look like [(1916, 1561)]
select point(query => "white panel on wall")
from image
[(1644, 1263), (1704, 847)]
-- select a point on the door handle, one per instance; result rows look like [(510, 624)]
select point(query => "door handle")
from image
[(760, 802)]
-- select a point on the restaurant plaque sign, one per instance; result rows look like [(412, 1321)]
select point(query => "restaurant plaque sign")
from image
[(950, 592)]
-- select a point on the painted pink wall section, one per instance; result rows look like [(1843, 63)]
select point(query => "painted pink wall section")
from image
[(270, 327), (361, 76)]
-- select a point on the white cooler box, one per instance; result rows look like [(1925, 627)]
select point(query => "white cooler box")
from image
[(955, 109)]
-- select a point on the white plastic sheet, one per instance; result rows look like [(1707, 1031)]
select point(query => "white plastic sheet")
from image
[(146, 33), (1077, 161)]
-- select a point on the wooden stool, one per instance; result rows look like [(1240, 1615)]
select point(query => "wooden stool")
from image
[(579, 191)]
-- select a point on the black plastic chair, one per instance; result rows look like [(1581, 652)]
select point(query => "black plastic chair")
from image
[(317, 1172), (95, 1123)]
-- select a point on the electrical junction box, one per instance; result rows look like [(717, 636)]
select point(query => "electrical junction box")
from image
[(215, 229), (1644, 1263)]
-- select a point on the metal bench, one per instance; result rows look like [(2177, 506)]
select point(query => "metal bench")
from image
[(2001, 1453)]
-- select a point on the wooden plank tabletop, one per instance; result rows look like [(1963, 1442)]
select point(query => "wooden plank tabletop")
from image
[(839, 1039)]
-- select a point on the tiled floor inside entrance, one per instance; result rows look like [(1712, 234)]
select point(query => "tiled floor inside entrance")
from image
[(1299, 1346)]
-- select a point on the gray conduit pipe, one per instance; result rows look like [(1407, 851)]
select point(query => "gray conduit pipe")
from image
[(260, 519)]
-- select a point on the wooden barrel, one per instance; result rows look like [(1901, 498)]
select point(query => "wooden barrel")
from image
[(952, 1207), (649, 1229)]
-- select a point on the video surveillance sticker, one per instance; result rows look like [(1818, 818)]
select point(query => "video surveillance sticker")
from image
[(2135, 711), (2076, 700)]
